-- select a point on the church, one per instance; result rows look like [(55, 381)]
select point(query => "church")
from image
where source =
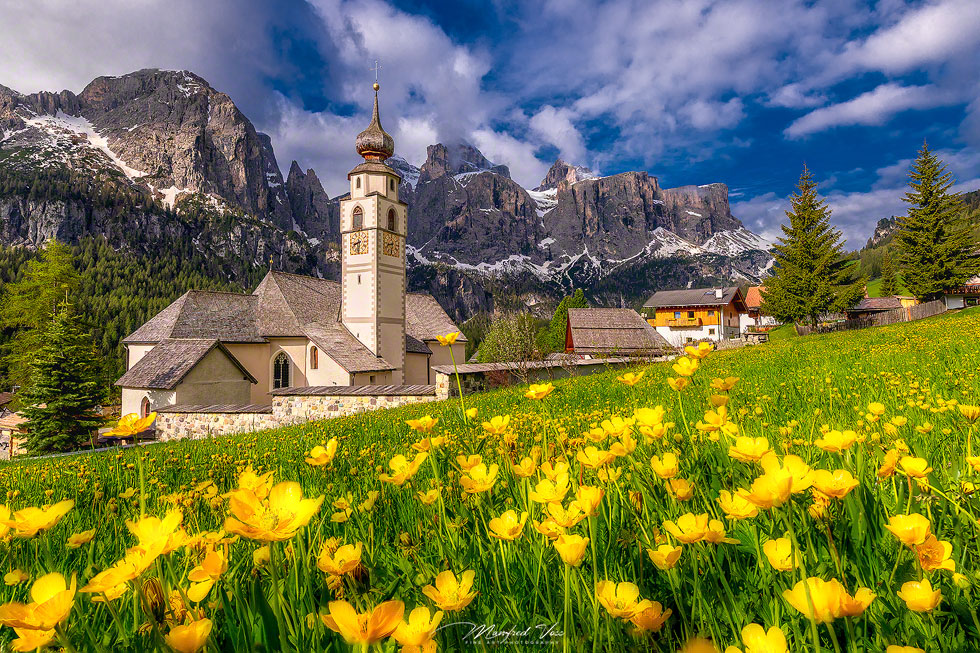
[(302, 332)]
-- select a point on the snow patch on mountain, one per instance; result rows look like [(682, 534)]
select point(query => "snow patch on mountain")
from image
[(737, 241), (61, 122), (545, 200)]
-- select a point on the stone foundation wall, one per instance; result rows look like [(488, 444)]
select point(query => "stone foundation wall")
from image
[(176, 426), (296, 409)]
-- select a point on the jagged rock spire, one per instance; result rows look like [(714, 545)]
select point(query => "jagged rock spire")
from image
[(374, 143)]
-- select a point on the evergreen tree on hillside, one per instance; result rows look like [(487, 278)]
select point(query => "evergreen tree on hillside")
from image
[(63, 390), (811, 275), (553, 338), (28, 305), (935, 242), (889, 277)]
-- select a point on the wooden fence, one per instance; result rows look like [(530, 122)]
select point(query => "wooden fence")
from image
[(916, 312)]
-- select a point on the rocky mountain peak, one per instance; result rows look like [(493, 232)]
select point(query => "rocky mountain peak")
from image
[(561, 172), (456, 159)]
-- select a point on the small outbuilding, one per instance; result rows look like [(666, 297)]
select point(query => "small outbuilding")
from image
[(602, 332)]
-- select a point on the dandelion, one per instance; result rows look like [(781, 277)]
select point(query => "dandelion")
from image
[(450, 594)]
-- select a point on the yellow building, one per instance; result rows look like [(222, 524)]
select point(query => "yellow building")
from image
[(690, 315)]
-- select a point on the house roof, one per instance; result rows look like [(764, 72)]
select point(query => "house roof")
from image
[(876, 304), (753, 297), (612, 330), (6, 398), (693, 297), (166, 365), (288, 305), (11, 422)]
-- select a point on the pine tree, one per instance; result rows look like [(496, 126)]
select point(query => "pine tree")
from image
[(811, 275), (935, 242), (63, 390), (889, 277), (553, 338)]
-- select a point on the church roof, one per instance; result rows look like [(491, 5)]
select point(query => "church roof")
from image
[(374, 143), (287, 305), (620, 331), (166, 365)]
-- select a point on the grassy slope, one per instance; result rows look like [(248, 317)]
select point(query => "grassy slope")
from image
[(874, 288), (786, 380)]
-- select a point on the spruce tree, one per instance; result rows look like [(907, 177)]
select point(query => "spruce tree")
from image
[(889, 277), (63, 390), (553, 337), (935, 242), (811, 276)]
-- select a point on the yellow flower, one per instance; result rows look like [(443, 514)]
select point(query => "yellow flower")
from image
[(415, 633), (758, 640), (666, 467), (548, 528), (718, 400), (592, 457), (620, 600), (448, 339), (160, 536), (466, 463), (909, 529), (448, 593), (854, 606), (749, 450), (894, 648), (915, 467), (700, 351), (31, 640), (553, 470), (649, 416), (736, 506), (974, 462), (78, 539), (716, 533), (547, 491), (277, 518), (51, 603), (971, 413), (479, 479), (261, 556), (507, 526), (678, 384), (343, 560), (402, 469), (724, 385), (825, 595), (423, 424), (571, 548), (887, 468), (587, 499), (698, 645), (925, 428), (15, 577), (935, 554), (365, 628), (471, 413), (497, 425), (876, 409), (539, 390), (665, 556), (834, 484), (566, 518), (320, 456), (689, 528), (770, 490), (27, 522), (680, 489), (685, 366), (836, 441), (651, 618), (429, 497), (919, 595), (205, 575), (780, 554), (132, 424), (630, 379), (525, 468)]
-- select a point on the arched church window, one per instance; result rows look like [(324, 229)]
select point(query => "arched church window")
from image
[(314, 358), (280, 371), (357, 182), (391, 184), (357, 219), (391, 219), (145, 407)]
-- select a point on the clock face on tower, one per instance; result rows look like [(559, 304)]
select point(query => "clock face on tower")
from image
[(391, 244), (358, 242)]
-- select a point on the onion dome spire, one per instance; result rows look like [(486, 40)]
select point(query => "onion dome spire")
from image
[(374, 143)]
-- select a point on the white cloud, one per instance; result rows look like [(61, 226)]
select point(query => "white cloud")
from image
[(871, 108), (795, 96), (517, 155), (555, 127)]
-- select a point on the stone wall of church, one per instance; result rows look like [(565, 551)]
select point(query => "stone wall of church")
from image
[(177, 426), (307, 408)]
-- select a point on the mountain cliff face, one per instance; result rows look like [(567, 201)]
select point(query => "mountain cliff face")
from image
[(155, 158)]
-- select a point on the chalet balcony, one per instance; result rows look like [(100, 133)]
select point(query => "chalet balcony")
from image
[(685, 323)]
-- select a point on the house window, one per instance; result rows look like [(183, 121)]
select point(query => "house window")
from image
[(145, 407), (357, 218), (711, 313), (280, 371), (677, 315), (688, 339), (357, 183), (690, 314), (711, 332), (391, 219), (371, 379), (314, 358)]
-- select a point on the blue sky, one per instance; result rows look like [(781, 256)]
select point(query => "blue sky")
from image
[(694, 91)]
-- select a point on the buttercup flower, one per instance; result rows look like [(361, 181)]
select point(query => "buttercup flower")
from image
[(685, 366), (423, 424), (736, 506), (592, 457), (15, 577), (620, 600), (724, 385), (678, 384), (689, 528), (320, 456), (935, 554), (915, 467), (834, 484), (466, 463), (825, 595), (448, 339), (275, 519), (700, 351), (836, 441), (363, 628), (205, 575), (630, 379), (571, 548), (402, 469), (854, 606), (507, 526), (759, 640), (415, 633), (665, 467), (749, 450), (919, 595), (51, 602), (343, 560), (76, 540), (497, 424), (587, 499), (971, 413), (31, 640), (665, 556), (780, 554), (547, 491), (909, 529), (539, 390), (479, 479), (28, 522), (448, 593), (525, 468), (651, 618)]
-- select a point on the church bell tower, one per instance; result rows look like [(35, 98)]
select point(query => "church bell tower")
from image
[(373, 227)]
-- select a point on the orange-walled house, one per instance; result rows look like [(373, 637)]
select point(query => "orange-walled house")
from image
[(683, 316)]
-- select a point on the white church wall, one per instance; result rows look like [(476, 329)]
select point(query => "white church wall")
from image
[(135, 352), (255, 358), (328, 371), (214, 380), (132, 399), (295, 348)]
